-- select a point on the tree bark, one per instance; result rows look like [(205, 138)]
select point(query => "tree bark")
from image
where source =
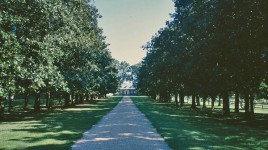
[(11, 100), (164, 97), (73, 97), (67, 99), (37, 102), (91, 97), (251, 103), (181, 99), (48, 100), (213, 99), (81, 100), (219, 104), (51, 101), (236, 102), (193, 102), (77, 98), (153, 96), (226, 104), (204, 102), (26, 100), (176, 99), (87, 97), (160, 97), (198, 100), (60, 99), (168, 97), (2, 107), (246, 105)]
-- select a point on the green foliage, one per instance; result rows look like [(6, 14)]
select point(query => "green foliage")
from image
[(123, 68), (126, 72), (263, 90), (53, 46), (210, 48)]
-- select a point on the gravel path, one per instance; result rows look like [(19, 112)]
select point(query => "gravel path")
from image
[(124, 128)]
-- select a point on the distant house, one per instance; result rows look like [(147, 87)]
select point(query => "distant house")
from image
[(127, 88)]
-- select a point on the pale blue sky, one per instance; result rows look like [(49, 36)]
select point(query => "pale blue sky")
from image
[(129, 24)]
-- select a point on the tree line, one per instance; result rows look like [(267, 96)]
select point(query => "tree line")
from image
[(210, 49), (54, 48)]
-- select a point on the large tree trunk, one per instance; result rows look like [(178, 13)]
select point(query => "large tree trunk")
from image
[(251, 103), (204, 102), (236, 102), (87, 97), (153, 96), (67, 99), (26, 100), (193, 102), (73, 99), (11, 100), (51, 100), (91, 97), (76, 98), (198, 100), (181, 99), (160, 97), (219, 104), (226, 104), (168, 97), (48, 100), (246, 105), (60, 99), (79, 101), (176, 99), (37, 102), (82, 97), (213, 99), (164, 97), (2, 107)]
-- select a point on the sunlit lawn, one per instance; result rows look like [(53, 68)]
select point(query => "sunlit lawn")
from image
[(53, 130), (201, 129)]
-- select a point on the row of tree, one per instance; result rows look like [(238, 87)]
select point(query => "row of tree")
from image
[(53, 47), (210, 48)]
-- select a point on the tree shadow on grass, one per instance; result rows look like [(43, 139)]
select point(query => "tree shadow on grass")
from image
[(188, 129), (50, 147), (58, 130)]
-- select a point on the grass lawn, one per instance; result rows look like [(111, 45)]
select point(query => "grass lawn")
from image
[(53, 130), (196, 129)]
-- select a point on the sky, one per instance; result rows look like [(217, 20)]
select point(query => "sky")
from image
[(129, 24)]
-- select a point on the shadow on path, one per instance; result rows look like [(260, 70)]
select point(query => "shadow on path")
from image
[(125, 127)]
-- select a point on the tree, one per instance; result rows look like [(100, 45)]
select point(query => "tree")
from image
[(53, 47), (210, 48)]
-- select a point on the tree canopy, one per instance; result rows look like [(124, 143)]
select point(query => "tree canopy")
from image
[(210, 48), (53, 46)]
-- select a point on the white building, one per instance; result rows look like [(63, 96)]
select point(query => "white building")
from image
[(127, 88)]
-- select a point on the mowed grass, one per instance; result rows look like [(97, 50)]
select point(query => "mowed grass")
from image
[(195, 129), (53, 130)]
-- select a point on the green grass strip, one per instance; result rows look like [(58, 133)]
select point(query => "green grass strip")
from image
[(187, 129), (56, 130)]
